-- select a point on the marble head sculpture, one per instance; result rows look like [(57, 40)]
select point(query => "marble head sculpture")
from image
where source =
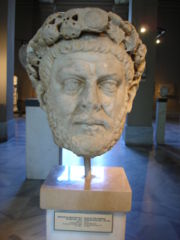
[(86, 65)]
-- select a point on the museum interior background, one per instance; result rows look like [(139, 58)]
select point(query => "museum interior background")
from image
[(150, 167)]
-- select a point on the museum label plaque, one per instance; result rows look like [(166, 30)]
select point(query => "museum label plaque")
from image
[(83, 222)]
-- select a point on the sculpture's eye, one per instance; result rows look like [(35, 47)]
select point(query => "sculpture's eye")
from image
[(72, 86), (108, 86)]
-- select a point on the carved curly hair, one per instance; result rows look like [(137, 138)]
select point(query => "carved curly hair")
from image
[(62, 32)]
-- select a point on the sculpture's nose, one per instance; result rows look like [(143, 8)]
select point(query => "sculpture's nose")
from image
[(89, 99)]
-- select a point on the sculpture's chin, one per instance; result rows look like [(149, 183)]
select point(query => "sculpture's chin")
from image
[(94, 147), (87, 145), (88, 141)]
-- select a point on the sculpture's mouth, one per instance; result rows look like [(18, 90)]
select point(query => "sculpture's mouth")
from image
[(90, 124)]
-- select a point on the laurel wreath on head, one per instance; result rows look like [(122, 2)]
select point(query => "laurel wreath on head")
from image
[(73, 24)]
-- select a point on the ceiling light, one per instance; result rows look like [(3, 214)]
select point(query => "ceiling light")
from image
[(143, 30), (158, 41)]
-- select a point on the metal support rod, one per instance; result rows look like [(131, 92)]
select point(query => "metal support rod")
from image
[(87, 165)]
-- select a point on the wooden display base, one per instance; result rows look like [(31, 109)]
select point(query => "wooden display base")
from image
[(80, 208)]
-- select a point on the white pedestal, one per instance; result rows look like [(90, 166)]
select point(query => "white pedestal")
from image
[(160, 122), (66, 191), (138, 135), (118, 232), (41, 151)]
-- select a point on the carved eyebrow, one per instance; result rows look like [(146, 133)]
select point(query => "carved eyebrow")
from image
[(74, 75), (71, 75), (109, 77), (71, 69)]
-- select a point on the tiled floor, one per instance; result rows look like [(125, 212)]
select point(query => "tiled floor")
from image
[(154, 176)]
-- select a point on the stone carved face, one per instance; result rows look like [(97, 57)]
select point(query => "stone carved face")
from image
[(87, 99), (87, 86)]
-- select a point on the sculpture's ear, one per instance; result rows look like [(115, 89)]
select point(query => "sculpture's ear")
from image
[(40, 91), (131, 93)]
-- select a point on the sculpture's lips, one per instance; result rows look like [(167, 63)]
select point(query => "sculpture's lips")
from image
[(91, 123)]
